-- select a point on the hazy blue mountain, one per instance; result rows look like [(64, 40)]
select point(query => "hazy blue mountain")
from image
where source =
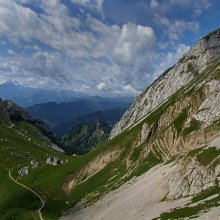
[(26, 96), (59, 113), (110, 117)]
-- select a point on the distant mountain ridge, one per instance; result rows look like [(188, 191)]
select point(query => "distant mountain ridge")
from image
[(60, 113), (110, 117), (26, 96)]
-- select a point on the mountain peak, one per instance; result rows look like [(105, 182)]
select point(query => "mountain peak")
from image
[(210, 42), (213, 33), (194, 62)]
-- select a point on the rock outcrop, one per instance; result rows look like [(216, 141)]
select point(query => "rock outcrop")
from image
[(23, 171), (16, 113), (34, 164), (191, 177), (52, 160)]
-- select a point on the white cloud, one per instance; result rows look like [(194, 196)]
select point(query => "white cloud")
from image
[(82, 55), (133, 40), (81, 2), (93, 4), (169, 59), (154, 4), (178, 2), (59, 30), (45, 64), (196, 7), (202, 6), (176, 27), (85, 55), (57, 15), (84, 88), (130, 90), (101, 86), (17, 21), (11, 52)]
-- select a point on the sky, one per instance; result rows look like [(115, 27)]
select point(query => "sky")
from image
[(98, 47)]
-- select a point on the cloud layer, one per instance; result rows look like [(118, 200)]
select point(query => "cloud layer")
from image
[(47, 43)]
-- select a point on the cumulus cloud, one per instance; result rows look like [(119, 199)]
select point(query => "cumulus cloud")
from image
[(97, 51), (198, 6), (57, 15), (165, 6), (11, 52), (174, 27), (133, 40), (17, 21), (101, 86), (81, 2), (202, 6), (45, 64)]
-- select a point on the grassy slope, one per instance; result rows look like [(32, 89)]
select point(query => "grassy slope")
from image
[(16, 201), (17, 150), (85, 136), (48, 180)]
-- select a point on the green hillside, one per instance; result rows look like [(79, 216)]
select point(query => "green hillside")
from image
[(85, 136)]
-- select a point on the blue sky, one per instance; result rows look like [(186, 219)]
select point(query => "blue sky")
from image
[(98, 47)]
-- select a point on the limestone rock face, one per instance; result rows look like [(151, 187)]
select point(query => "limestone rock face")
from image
[(23, 171), (144, 133), (13, 111), (34, 164), (52, 160), (191, 64), (209, 110), (191, 178)]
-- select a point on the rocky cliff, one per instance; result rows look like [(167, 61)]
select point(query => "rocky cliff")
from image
[(193, 63)]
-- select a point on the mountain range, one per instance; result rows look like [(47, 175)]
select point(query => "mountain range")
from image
[(109, 117), (71, 119), (60, 113), (26, 96)]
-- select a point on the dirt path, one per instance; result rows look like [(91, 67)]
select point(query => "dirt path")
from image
[(26, 187)]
